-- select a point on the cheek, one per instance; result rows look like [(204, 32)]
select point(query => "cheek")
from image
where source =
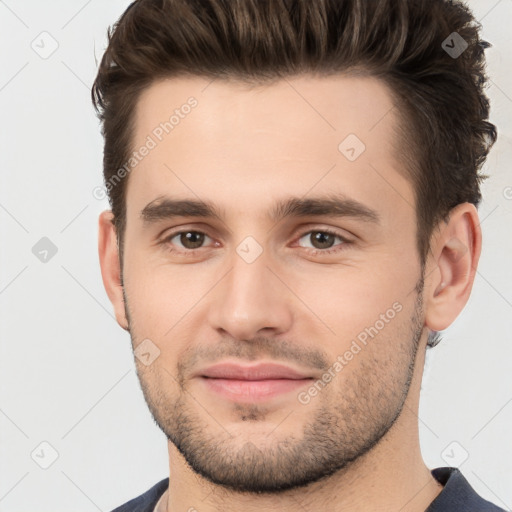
[(349, 299), (161, 295)]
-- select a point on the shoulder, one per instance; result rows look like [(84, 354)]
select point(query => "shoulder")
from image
[(147, 501), (458, 494)]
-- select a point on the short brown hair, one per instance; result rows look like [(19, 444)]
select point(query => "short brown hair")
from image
[(444, 134)]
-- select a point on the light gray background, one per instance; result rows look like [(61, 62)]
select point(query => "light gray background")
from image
[(67, 371)]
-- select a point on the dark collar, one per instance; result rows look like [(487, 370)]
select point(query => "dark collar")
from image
[(457, 494)]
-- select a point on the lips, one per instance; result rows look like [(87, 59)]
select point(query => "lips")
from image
[(252, 383), (268, 371)]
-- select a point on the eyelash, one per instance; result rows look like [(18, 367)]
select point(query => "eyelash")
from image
[(337, 248)]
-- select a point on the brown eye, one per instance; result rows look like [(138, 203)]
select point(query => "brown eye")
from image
[(323, 241), (320, 239), (191, 239), (187, 240)]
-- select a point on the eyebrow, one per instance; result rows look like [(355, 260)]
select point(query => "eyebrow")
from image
[(333, 205)]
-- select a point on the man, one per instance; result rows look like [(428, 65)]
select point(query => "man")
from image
[(293, 188)]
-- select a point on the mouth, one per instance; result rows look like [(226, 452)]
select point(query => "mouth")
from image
[(242, 383)]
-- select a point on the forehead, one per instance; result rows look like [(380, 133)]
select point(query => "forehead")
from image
[(305, 105), (208, 137)]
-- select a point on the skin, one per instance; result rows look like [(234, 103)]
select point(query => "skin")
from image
[(355, 444)]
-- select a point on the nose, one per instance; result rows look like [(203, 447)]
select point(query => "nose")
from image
[(250, 301)]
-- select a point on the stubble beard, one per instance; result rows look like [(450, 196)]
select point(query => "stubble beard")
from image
[(345, 424)]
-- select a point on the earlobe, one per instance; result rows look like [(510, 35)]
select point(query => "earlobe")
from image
[(453, 262), (110, 266)]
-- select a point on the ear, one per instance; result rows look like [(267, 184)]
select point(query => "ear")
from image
[(453, 260), (110, 266)]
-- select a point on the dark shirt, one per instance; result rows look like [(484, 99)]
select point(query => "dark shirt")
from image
[(457, 495)]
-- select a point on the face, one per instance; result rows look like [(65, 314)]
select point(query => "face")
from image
[(270, 264)]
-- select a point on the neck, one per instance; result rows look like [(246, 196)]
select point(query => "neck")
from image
[(391, 476)]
